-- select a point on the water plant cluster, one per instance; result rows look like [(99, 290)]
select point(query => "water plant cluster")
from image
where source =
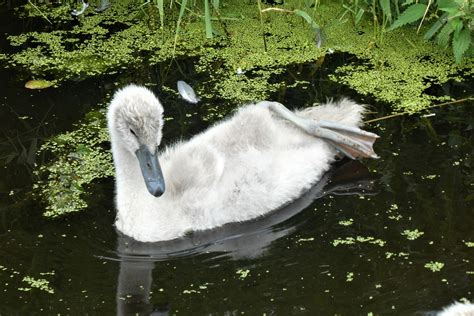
[(245, 44), (450, 22), (79, 158)]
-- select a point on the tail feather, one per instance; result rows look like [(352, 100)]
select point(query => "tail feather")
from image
[(344, 111)]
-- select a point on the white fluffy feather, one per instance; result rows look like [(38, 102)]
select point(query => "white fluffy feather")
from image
[(458, 309)]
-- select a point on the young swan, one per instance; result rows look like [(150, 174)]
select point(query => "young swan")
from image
[(259, 159)]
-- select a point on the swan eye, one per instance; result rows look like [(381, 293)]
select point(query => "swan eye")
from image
[(133, 132)]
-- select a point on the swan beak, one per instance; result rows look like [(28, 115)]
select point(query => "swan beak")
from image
[(151, 171)]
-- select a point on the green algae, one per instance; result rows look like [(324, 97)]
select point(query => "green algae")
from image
[(79, 158)]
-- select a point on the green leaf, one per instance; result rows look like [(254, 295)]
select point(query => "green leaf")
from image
[(436, 26), (443, 36), (159, 4), (358, 16), (461, 43), (446, 4), (215, 4), (207, 19), (410, 15), (385, 4), (307, 18), (39, 84), (456, 24), (178, 23)]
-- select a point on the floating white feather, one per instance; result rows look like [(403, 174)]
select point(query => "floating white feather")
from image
[(187, 92)]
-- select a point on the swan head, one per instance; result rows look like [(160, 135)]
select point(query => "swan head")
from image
[(135, 121)]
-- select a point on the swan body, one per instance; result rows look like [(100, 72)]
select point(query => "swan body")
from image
[(458, 309), (241, 168)]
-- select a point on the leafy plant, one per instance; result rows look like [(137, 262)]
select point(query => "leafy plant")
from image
[(453, 26)]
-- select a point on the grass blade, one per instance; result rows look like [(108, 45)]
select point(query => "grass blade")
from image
[(358, 16), (178, 24), (262, 26), (159, 4), (386, 10), (207, 19)]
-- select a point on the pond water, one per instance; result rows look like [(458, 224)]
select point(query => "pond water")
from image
[(387, 236)]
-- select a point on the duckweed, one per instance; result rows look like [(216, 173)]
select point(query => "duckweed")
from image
[(358, 239), (398, 67), (434, 266), (41, 284), (348, 222), (243, 273), (350, 276), (412, 234), (389, 255), (79, 158)]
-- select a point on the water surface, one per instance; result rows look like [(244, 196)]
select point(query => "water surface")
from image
[(361, 242)]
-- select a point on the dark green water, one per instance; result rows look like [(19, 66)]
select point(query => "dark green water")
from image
[(303, 265)]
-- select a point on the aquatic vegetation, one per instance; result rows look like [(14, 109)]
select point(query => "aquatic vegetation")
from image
[(243, 273), (358, 239), (412, 234), (389, 255), (350, 276), (453, 26), (348, 222), (451, 20), (38, 84), (396, 71), (434, 266), (78, 159), (41, 284), (430, 177)]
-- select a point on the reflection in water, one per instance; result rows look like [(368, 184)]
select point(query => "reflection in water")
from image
[(235, 240)]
